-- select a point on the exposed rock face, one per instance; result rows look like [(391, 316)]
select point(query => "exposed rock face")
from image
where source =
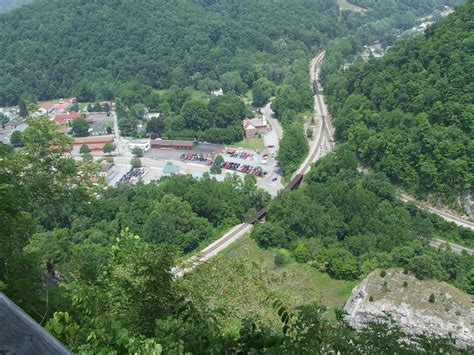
[(408, 304)]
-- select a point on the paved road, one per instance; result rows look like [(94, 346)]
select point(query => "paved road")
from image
[(443, 214), (456, 248), (322, 143), (269, 115), (121, 145)]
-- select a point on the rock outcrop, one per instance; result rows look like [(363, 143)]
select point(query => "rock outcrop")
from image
[(407, 300)]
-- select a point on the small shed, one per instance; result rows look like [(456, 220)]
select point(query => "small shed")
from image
[(20, 334)]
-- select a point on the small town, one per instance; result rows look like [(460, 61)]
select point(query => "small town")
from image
[(95, 136), (236, 177)]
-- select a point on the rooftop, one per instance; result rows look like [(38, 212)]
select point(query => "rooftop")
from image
[(172, 143), (68, 116), (207, 147), (93, 140), (254, 123)]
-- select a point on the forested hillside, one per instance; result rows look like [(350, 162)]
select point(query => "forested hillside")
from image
[(93, 263), (410, 114), (6, 5), (51, 46), (347, 223)]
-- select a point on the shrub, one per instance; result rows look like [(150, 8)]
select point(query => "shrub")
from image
[(405, 284), (280, 259), (269, 235), (138, 152), (432, 298), (136, 162), (87, 157), (371, 298), (383, 273), (84, 149)]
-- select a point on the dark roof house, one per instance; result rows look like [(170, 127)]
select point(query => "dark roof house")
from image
[(208, 149)]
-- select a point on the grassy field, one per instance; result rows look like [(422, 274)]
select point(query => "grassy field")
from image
[(346, 5), (250, 143), (240, 279)]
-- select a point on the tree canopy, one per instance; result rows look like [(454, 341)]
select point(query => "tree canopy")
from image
[(347, 223), (410, 113), (159, 44)]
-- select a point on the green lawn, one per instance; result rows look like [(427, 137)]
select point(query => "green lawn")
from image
[(250, 143), (346, 5), (249, 96), (240, 279)]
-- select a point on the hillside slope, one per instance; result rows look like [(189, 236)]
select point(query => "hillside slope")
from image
[(411, 113), (50, 46), (407, 300)]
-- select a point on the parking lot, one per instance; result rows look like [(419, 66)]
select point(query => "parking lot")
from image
[(239, 161)]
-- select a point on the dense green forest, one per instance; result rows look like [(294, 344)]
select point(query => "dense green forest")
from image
[(348, 223), (384, 21), (53, 48), (6, 5), (410, 114), (93, 263), (112, 250)]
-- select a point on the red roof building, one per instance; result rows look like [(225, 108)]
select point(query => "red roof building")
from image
[(47, 106), (62, 119), (95, 143)]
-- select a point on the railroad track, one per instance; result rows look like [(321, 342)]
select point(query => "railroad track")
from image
[(200, 257)]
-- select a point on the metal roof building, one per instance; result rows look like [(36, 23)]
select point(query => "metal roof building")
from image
[(208, 149)]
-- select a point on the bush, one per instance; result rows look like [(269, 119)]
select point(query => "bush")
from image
[(432, 298), (84, 149), (87, 157), (371, 298), (136, 162), (342, 264), (405, 284), (280, 259), (138, 152), (269, 235), (109, 160), (16, 140), (383, 273)]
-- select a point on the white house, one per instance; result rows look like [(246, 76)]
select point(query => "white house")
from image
[(219, 92), (143, 144)]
